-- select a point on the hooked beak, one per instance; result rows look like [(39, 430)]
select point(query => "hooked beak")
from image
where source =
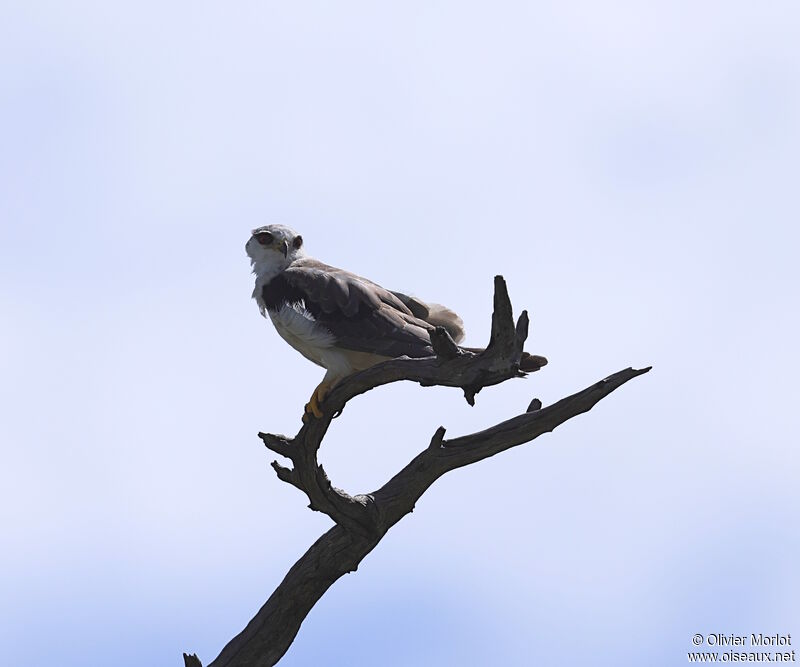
[(285, 247)]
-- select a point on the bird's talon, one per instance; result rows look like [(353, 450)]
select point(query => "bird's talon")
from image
[(314, 405), (309, 411)]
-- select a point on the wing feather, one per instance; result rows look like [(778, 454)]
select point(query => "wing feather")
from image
[(434, 314), (362, 315)]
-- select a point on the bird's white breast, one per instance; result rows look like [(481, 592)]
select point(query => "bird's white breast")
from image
[(299, 328)]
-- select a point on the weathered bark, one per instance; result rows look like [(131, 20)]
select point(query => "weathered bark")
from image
[(362, 520)]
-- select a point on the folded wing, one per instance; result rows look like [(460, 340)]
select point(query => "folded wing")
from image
[(361, 315)]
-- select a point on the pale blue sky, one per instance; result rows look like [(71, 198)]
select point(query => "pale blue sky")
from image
[(631, 168)]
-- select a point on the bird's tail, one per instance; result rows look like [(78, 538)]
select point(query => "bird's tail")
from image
[(434, 314)]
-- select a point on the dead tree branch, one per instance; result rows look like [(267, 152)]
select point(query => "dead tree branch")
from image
[(362, 520)]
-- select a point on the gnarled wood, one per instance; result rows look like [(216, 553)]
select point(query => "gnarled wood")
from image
[(362, 520)]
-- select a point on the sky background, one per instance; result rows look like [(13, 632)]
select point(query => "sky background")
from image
[(630, 168)]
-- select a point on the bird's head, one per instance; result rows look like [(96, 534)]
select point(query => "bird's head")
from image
[(272, 248)]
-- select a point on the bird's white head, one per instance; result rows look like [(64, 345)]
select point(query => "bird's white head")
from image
[(272, 248)]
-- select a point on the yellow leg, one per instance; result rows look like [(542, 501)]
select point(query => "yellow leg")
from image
[(313, 407)]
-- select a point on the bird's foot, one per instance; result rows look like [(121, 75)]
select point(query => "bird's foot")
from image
[(313, 405)]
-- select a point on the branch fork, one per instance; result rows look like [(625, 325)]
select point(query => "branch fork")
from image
[(362, 520)]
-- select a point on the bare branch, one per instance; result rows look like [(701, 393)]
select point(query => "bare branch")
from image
[(363, 520), (279, 444), (438, 438), (443, 344), (399, 495), (522, 330), (501, 339), (310, 477), (285, 474)]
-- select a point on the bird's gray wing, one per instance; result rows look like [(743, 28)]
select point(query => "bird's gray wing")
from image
[(362, 315)]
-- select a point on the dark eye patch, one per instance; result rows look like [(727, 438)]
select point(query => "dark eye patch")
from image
[(298, 241), (264, 238)]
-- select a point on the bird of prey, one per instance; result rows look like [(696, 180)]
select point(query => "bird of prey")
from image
[(338, 320)]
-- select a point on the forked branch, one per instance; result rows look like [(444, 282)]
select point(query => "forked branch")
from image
[(362, 520)]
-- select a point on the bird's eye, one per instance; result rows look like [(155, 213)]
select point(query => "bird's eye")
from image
[(264, 238)]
